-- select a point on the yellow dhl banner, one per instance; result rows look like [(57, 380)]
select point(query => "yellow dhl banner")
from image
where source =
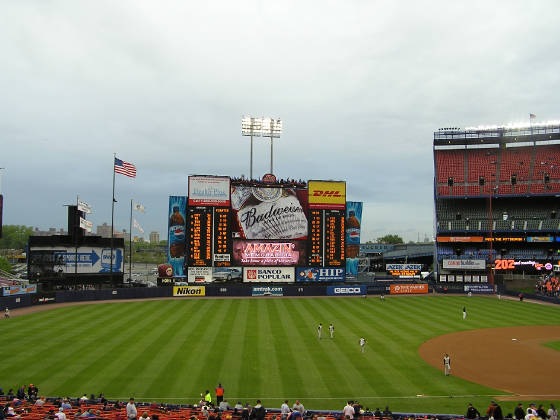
[(327, 194), (189, 291)]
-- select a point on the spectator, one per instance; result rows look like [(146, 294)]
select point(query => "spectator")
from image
[(65, 404), (259, 412), (21, 393), (298, 406), (541, 413), (78, 413), (40, 401), (519, 413), (131, 412), (83, 399), (238, 406), (285, 410), (377, 413), (245, 412), (145, 416), (552, 413), (224, 405), (387, 413), (472, 413), (348, 411), (60, 415)]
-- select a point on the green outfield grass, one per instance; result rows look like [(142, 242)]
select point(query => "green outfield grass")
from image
[(553, 345), (172, 350)]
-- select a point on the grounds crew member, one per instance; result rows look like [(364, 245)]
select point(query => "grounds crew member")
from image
[(219, 394)]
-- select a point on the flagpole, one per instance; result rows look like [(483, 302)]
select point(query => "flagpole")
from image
[(130, 246), (113, 216), (75, 234)]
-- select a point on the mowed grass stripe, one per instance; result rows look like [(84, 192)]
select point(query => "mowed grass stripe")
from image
[(97, 363), (316, 365), (337, 352), (141, 359), (250, 378), (290, 378), (271, 364), (234, 353), (184, 358), (51, 358)]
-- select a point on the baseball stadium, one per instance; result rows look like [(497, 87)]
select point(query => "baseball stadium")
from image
[(266, 297)]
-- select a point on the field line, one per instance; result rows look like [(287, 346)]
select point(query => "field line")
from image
[(345, 397)]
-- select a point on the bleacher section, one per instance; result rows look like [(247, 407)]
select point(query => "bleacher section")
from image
[(500, 170)]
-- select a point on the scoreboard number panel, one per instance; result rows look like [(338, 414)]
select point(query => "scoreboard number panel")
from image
[(335, 238), (200, 236), (223, 246), (316, 229)]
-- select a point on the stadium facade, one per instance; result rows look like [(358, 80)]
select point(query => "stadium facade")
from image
[(496, 193)]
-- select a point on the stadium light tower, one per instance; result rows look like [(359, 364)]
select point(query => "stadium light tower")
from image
[(261, 127)]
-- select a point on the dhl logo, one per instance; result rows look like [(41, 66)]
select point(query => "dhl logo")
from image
[(321, 193)]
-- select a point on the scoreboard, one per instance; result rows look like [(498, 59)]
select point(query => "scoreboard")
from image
[(326, 238), (316, 245), (335, 238), (222, 237), (199, 234)]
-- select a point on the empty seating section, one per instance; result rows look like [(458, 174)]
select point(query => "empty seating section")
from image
[(509, 214), (515, 161), (482, 163), (506, 171), (547, 161), (450, 164)]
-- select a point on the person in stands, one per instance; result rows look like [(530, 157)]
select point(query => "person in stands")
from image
[(472, 413), (219, 394)]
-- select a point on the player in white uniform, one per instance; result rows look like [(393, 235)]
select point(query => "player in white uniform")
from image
[(362, 344), (331, 330), (320, 331), (7, 313), (464, 312), (447, 364)]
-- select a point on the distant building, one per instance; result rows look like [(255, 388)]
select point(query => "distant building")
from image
[(154, 237), (138, 239), (126, 235), (52, 231), (104, 230)]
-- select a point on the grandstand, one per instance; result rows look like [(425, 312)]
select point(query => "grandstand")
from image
[(496, 198)]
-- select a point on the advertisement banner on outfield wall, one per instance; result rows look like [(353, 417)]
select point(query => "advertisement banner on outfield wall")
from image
[(199, 274), (269, 274), (409, 289), (189, 291), (45, 260), (267, 291), (479, 288), (267, 253), (315, 274), (464, 264), (209, 191), (176, 239), (19, 290), (327, 195), (346, 290)]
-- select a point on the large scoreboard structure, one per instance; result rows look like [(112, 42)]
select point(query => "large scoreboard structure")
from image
[(229, 226)]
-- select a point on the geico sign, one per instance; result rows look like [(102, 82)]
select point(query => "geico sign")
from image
[(347, 290)]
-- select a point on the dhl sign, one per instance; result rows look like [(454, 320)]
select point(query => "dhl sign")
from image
[(327, 194)]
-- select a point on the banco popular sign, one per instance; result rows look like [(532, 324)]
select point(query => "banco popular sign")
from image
[(189, 290), (269, 274)]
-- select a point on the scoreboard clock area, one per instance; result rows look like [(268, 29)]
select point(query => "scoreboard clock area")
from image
[(199, 236)]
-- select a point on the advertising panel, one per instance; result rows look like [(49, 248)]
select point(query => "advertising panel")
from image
[(335, 238), (267, 291), (315, 274), (199, 274), (460, 239), (209, 191), (269, 274), (443, 277), (353, 222), (227, 274), (409, 289), (404, 271), (176, 239), (540, 239), (43, 298), (189, 291), (327, 194), (19, 290), (269, 212), (479, 288), (268, 253), (346, 290), (501, 264), (464, 264), (60, 259)]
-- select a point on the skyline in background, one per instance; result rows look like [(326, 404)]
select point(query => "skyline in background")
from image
[(360, 88)]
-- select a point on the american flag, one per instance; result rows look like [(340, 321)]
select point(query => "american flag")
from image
[(125, 168), (532, 116)]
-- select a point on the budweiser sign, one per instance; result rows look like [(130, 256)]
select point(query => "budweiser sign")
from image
[(269, 213)]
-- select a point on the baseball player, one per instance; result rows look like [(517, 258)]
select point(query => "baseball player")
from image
[(331, 330), (464, 312), (446, 364), (320, 330), (362, 344)]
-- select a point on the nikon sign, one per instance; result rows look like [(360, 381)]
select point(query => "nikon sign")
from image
[(189, 291)]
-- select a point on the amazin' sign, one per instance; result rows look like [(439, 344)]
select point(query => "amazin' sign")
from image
[(268, 253)]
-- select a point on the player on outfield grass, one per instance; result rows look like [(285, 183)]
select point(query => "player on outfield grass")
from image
[(362, 344), (320, 330), (331, 330)]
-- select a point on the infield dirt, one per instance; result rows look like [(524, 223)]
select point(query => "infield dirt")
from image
[(511, 359)]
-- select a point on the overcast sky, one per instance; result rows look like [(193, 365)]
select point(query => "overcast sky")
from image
[(360, 87)]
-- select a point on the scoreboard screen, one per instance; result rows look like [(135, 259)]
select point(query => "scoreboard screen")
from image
[(335, 240), (200, 236), (222, 237), (316, 228)]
